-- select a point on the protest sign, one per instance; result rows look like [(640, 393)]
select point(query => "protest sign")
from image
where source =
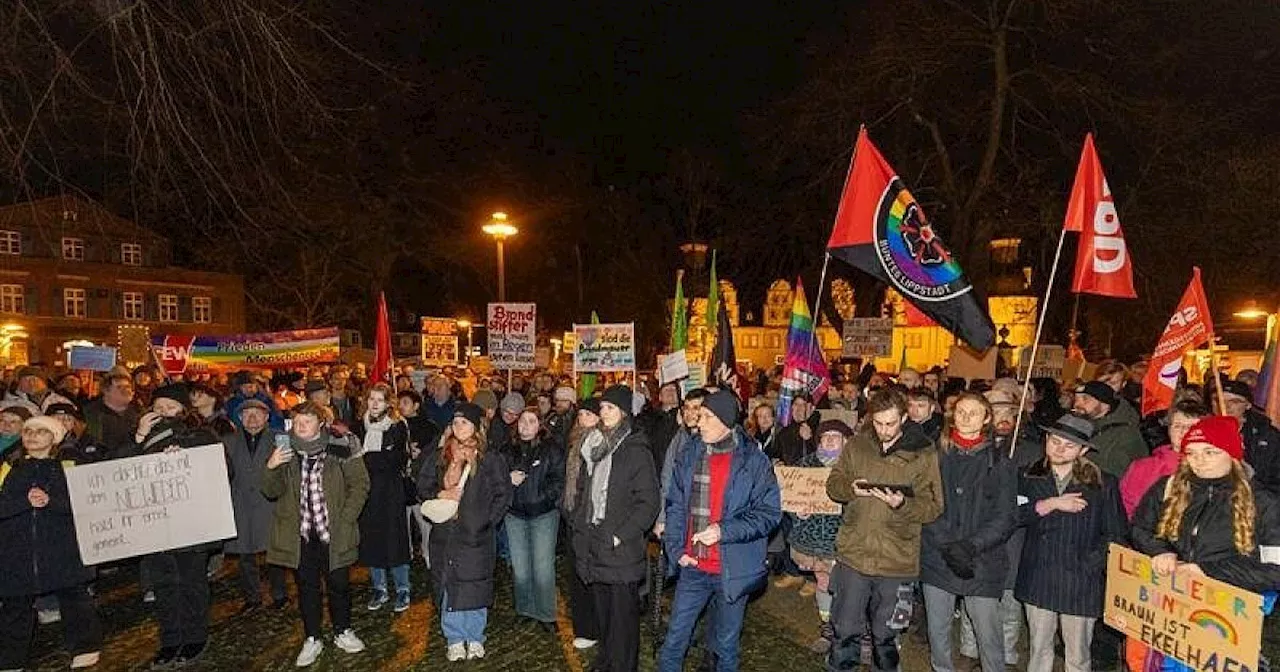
[(604, 347), (867, 337), (972, 365), (673, 366), (182, 353), (697, 378), (91, 359), (804, 490), (134, 341), (1050, 360), (542, 357), (439, 341), (1196, 620), (141, 505), (481, 365), (512, 338)]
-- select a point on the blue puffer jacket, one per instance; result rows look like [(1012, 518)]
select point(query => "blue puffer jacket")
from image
[(752, 508)]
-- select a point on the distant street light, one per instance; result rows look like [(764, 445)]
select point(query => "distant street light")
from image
[(1251, 311), (500, 229), (464, 323)]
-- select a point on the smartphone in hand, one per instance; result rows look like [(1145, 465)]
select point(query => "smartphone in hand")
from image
[(282, 444)]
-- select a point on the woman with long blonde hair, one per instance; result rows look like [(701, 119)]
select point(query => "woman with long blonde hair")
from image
[(384, 528)]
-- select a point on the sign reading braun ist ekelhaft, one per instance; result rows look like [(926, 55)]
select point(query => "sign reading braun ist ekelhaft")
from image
[(604, 347), (152, 503), (1201, 622), (180, 353), (512, 331)]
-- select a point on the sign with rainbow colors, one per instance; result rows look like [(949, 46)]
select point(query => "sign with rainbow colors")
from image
[(1196, 620), (181, 353)]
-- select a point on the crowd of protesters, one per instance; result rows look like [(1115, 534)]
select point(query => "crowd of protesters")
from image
[(952, 506)]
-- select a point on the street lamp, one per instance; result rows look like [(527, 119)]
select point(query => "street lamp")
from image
[(1251, 311), (500, 229), (466, 324)]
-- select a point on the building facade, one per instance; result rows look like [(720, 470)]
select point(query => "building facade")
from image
[(73, 273)]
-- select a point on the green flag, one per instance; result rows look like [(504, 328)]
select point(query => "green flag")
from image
[(679, 317), (713, 296), (587, 381)]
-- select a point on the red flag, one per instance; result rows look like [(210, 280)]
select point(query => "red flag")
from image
[(382, 344), (1190, 326), (1103, 265)]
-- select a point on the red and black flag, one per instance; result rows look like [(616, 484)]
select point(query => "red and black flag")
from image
[(882, 230)]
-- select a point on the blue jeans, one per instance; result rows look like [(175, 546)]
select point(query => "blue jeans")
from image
[(462, 626), (694, 591), (533, 564), (399, 575)]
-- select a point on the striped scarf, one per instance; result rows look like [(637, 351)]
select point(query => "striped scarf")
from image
[(700, 495), (315, 512)]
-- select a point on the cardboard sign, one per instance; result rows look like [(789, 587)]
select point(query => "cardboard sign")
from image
[(439, 341), (672, 367), (804, 490), (866, 337), (972, 365), (141, 505), (604, 347), (1050, 361), (512, 336), (91, 359), (1199, 621), (134, 342)]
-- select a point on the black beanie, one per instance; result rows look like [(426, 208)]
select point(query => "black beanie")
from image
[(620, 396), (724, 405), (471, 412), (175, 391), (591, 405)]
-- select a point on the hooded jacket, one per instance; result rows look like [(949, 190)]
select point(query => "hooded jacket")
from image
[(1117, 441)]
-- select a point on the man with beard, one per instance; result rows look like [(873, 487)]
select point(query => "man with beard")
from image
[(562, 414), (1117, 441)]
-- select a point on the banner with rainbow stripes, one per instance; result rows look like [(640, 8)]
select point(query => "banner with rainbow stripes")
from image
[(179, 353), (805, 370)]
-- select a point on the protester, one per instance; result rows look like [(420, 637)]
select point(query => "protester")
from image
[(723, 503), (340, 399), (440, 405), (618, 503), (536, 460), (71, 387), (1045, 403), (248, 451), (319, 486), (1261, 438), (690, 413), (110, 419), (910, 378), (32, 391), (878, 547), (799, 438), (583, 439), (563, 413), (11, 420), (762, 427), (503, 426), (76, 445), (244, 387), (40, 553), (212, 411), (1164, 460), (1071, 509), (963, 550), (384, 527), (290, 391), (1116, 441), (462, 549), (813, 536), (923, 412), (664, 420), (424, 439)]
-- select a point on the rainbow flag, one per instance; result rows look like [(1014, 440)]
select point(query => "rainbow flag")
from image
[(805, 369), (1267, 394)]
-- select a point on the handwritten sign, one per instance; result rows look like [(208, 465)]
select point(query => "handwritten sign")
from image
[(867, 337), (1050, 360), (439, 341), (140, 505), (512, 336), (604, 347), (1199, 621), (672, 367), (804, 490)]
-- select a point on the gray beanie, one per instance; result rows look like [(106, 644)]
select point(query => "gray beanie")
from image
[(512, 403)]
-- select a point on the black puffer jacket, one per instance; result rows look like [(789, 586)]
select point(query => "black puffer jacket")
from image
[(632, 506), (1207, 536), (39, 553), (1262, 450), (542, 461)]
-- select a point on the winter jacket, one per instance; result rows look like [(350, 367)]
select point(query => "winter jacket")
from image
[(346, 487), (15, 398), (661, 428), (750, 510), (1117, 441), (932, 426), (1143, 473), (426, 436), (274, 419), (543, 462), (384, 528), (980, 509), (1262, 449), (441, 414), (559, 424), (632, 506), (171, 432), (40, 553), (464, 550), (815, 535), (111, 429), (874, 539), (1207, 534), (789, 447), (684, 437), (253, 511), (1064, 559)]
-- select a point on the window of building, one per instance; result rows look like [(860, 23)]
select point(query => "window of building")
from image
[(131, 254), (201, 309), (10, 242), (168, 308), (73, 249), (73, 303), (13, 299), (133, 305)]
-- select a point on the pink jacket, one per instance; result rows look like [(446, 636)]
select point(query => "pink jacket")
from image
[(1144, 473)]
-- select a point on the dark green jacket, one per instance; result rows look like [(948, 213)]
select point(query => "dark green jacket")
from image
[(1117, 442), (346, 487)]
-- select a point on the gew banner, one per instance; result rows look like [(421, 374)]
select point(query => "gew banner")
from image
[(181, 353)]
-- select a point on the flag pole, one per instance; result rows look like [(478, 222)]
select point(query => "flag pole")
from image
[(1217, 376), (826, 260), (1035, 345)]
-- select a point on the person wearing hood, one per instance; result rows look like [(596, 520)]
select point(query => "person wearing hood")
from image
[(384, 527), (536, 459), (878, 546), (583, 438), (618, 502), (319, 485), (11, 419), (40, 552), (1117, 441)]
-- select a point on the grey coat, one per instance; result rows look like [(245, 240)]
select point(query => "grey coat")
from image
[(253, 511)]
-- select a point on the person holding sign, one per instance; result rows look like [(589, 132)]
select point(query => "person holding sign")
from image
[(319, 486), (40, 554), (1071, 510)]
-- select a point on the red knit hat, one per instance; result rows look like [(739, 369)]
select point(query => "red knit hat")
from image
[(1219, 431)]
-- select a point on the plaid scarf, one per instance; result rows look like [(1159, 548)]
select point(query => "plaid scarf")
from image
[(700, 495), (315, 512)]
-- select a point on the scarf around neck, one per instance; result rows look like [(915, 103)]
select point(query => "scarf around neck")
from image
[(599, 466), (310, 446), (373, 430), (700, 495)]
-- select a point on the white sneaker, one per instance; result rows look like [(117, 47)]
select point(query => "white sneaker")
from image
[(85, 660), (347, 641), (310, 651), (581, 643), (456, 652), (475, 650), (48, 616)]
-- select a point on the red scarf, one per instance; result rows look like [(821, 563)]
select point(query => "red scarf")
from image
[(966, 444)]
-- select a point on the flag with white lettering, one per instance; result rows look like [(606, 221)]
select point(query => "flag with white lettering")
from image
[(1103, 265), (1190, 326)]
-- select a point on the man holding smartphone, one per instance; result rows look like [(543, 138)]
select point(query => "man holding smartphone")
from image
[(889, 482), (248, 449)]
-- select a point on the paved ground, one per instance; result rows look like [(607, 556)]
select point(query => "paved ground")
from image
[(779, 627)]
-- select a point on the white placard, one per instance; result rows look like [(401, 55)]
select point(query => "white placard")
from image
[(512, 335), (140, 505), (673, 367)]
